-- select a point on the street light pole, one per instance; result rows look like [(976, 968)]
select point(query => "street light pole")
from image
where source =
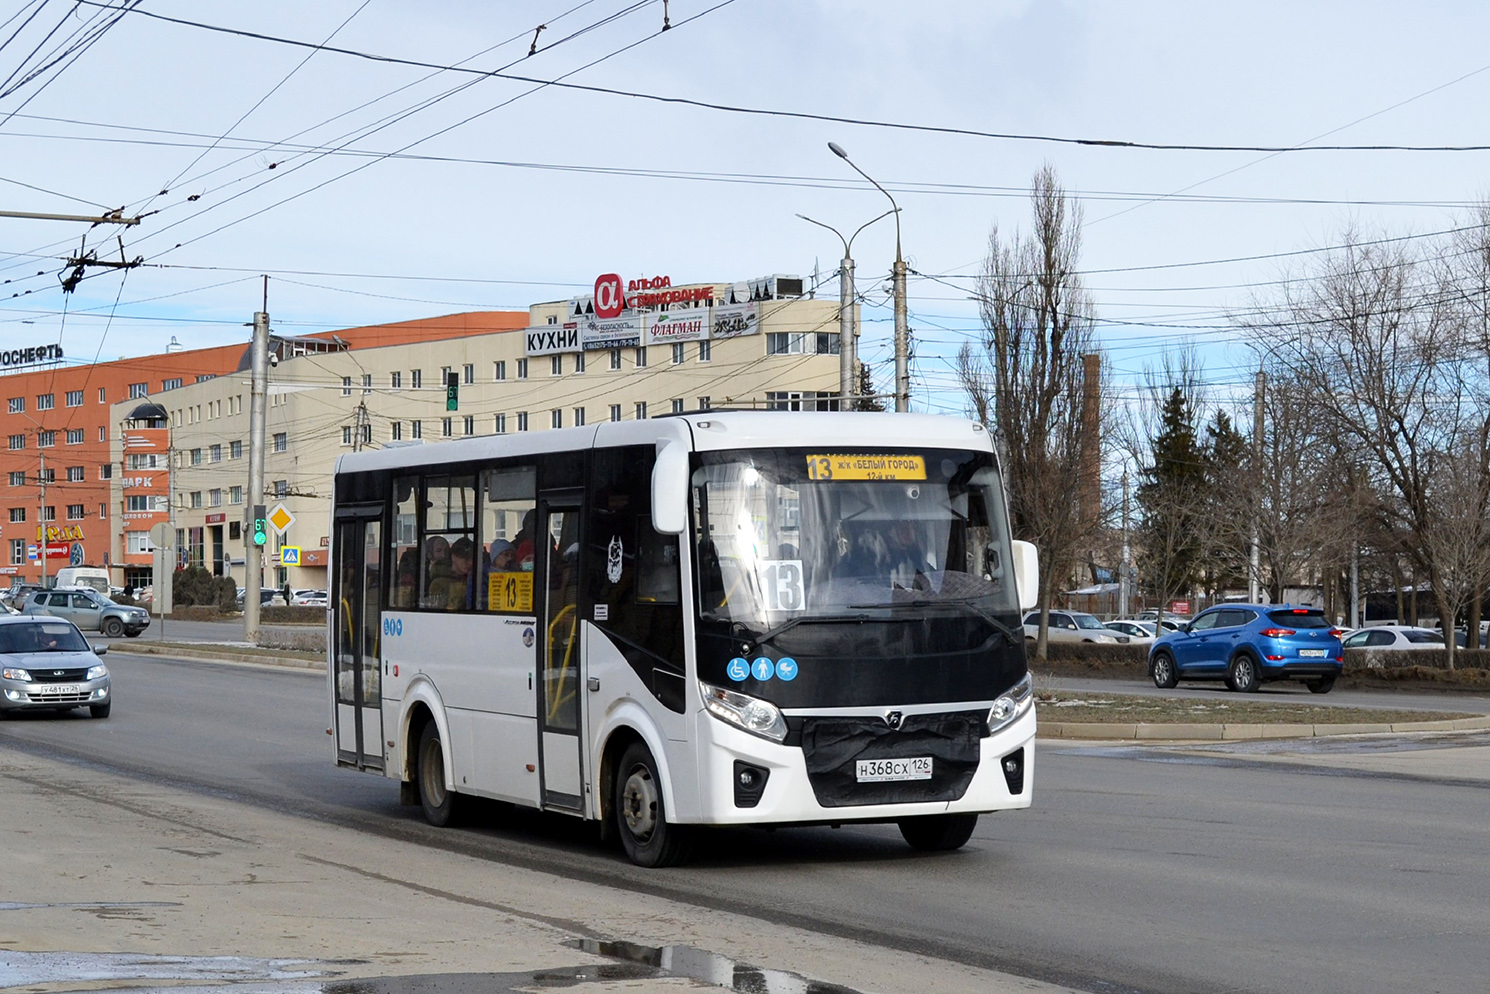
[(902, 332), (847, 349), (257, 417)]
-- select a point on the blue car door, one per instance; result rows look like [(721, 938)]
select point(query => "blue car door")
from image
[(1190, 646), (1229, 631)]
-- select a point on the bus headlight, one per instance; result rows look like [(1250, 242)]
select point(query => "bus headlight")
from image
[(751, 714), (1012, 705)]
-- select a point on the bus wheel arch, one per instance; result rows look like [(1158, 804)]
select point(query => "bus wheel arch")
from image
[(647, 834)]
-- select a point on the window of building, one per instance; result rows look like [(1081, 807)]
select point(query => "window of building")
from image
[(615, 358), (137, 543), (703, 403), (17, 405), (579, 417), (48, 475), (416, 378), (214, 498), (801, 343), (396, 430), (705, 351), (170, 384), (196, 498), (17, 551), (136, 391), (18, 477), (235, 449), (103, 433), (49, 513), (556, 365), (678, 348), (74, 436), (470, 425), (446, 428), (103, 510), (196, 457), (522, 420), (18, 515), (106, 471), (677, 405), (102, 395), (214, 452), (346, 434), (641, 410), (281, 488), (468, 373), (281, 441), (499, 424), (499, 370), (46, 439), (522, 369), (346, 386), (18, 441), (641, 357), (137, 502), (416, 429), (367, 434), (615, 412), (395, 380), (74, 474), (75, 512), (204, 377), (46, 401), (556, 418), (74, 398), (579, 362), (235, 495), (366, 384), (801, 400)]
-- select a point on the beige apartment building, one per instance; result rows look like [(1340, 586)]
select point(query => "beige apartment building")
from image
[(759, 344)]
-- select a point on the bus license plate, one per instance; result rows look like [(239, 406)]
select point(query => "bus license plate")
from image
[(1311, 652), (885, 770)]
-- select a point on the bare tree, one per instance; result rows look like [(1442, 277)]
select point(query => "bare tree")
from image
[(1026, 383)]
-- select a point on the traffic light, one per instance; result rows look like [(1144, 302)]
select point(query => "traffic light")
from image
[(452, 391), (260, 525)]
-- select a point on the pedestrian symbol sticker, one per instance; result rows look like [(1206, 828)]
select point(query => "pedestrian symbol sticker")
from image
[(786, 668), (289, 555), (737, 670), (762, 668)]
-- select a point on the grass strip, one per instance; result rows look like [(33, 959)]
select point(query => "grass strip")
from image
[(1074, 706)]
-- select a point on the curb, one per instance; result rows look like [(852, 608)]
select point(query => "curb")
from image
[(188, 651), (1191, 732)]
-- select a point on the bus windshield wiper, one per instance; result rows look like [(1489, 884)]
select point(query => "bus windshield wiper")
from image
[(789, 623), (964, 602)]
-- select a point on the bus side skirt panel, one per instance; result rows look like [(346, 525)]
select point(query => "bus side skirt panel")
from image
[(626, 714)]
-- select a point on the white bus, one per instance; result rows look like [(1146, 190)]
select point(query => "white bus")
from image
[(721, 618)]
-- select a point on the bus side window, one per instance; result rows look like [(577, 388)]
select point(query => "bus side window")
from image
[(509, 512), (403, 592)]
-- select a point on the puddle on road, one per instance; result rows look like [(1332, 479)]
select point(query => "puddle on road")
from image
[(210, 974)]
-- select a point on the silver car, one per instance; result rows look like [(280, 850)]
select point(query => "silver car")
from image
[(89, 610), (47, 665)]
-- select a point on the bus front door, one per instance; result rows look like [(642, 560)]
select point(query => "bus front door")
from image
[(560, 666), (356, 590)]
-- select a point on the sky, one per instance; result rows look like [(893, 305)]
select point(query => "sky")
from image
[(247, 156)]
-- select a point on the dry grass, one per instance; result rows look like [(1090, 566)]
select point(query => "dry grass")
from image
[(1073, 706)]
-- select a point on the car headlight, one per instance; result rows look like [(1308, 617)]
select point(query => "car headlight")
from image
[(751, 714), (98, 672), (1012, 705), (16, 673)]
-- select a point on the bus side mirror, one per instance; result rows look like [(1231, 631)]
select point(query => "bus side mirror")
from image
[(670, 488), (1026, 574)]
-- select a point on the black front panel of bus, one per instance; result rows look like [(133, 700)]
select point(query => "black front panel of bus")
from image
[(854, 663)]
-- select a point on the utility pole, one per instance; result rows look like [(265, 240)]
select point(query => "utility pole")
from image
[(1254, 570), (847, 333), (41, 508), (902, 332), (257, 417), (1125, 584)]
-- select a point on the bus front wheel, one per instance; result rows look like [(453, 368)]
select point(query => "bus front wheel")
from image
[(439, 802), (641, 818), (938, 833)]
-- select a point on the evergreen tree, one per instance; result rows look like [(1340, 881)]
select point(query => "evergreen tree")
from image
[(1172, 500), (1228, 517)]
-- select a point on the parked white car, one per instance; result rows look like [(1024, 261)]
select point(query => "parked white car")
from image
[(1071, 626), (1138, 632), (1394, 637)]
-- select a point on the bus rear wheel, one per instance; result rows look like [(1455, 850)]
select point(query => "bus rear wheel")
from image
[(938, 833), (440, 804), (641, 819)]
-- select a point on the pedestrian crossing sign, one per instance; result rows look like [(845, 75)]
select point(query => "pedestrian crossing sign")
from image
[(289, 555)]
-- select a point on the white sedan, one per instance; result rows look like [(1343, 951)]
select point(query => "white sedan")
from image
[(1394, 637), (1138, 632), (1071, 626)]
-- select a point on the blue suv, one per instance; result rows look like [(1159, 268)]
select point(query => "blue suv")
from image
[(1251, 644)]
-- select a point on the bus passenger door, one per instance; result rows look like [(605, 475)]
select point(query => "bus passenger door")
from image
[(356, 596), (561, 670)]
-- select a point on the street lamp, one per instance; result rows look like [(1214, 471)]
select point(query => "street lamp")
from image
[(846, 350), (902, 334)]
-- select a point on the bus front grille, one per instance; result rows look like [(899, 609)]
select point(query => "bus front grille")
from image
[(835, 747)]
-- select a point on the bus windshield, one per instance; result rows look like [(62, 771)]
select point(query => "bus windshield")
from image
[(788, 535)]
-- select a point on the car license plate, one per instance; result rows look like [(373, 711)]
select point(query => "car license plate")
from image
[(885, 770), (1312, 652), (57, 690)]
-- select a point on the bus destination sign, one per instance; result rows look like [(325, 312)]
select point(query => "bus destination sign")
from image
[(865, 466)]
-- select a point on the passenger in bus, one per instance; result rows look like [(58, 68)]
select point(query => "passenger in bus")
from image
[(436, 570), (406, 583), (525, 541), (455, 591), (503, 556)]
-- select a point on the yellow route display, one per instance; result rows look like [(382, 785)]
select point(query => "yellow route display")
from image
[(865, 466), (510, 592)]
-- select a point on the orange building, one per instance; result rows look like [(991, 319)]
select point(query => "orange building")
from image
[(56, 471)]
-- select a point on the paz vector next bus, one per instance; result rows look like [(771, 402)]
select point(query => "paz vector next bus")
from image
[(722, 618)]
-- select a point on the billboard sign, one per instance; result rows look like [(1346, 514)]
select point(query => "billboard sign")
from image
[(553, 338), (735, 320), (596, 332), (690, 325)]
